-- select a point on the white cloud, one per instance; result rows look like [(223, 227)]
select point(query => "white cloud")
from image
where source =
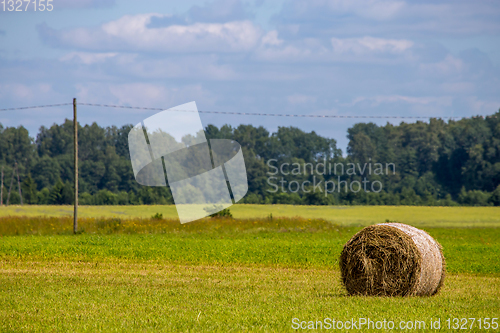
[(25, 92), (347, 49), (369, 45), (482, 106), (448, 66), (138, 66), (300, 99), (459, 87), (292, 52), (131, 33), (192, 66), (374, 9), (424, 100), (389, 18), (88, 58), (143, 94), (271, 38)]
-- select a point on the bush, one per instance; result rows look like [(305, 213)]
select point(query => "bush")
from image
[(473, 198), (123, 198), (289, 199), (252, 198), (217, 211), (105, 197), (43, 196), (61, 194), (157, 216), (495, 197), (85, 198)]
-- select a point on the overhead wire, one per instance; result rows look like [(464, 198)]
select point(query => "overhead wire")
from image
[(234, 113)]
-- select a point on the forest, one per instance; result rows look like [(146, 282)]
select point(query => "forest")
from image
[(445, 163)]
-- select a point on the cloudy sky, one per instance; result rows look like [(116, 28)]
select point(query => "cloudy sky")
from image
[(335, 57)]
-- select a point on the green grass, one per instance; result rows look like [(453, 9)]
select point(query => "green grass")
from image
[(152, 275), (282, 241), (343, 215), (146, 297)]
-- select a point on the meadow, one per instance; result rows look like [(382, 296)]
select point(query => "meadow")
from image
[(423, 216), (251, 273)]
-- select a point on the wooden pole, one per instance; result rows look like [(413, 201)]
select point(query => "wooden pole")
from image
[(75, 145), (19, 184), (1, 190)]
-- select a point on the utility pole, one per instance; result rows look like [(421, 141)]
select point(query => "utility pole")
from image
[(75, 146)]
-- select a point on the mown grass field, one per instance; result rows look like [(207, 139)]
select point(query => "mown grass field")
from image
[(342, 215), (254, 274), (70, 296)]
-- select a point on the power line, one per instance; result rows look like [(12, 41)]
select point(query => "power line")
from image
[(264, 114), (232, 113), (130, 107), (36, 107)]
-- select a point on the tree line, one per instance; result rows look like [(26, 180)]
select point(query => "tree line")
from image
[(422, 163)]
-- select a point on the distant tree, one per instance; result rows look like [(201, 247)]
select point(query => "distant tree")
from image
[(29, 190), (495, 197), (61, 194), (56, 196), (436, 162), (46, 172)]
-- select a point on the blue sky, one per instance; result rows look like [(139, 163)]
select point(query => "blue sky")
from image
[(338, 57)]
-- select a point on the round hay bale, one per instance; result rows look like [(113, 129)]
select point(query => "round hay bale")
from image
[(392, 259)]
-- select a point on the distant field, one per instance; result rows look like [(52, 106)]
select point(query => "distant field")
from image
[(342, 215)]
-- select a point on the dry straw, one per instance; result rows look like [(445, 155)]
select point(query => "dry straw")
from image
[(392, 259)]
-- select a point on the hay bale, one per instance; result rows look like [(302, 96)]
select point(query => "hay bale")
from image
[(392, 259)]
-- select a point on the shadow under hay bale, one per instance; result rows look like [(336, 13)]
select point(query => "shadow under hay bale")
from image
[(392, 259)]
